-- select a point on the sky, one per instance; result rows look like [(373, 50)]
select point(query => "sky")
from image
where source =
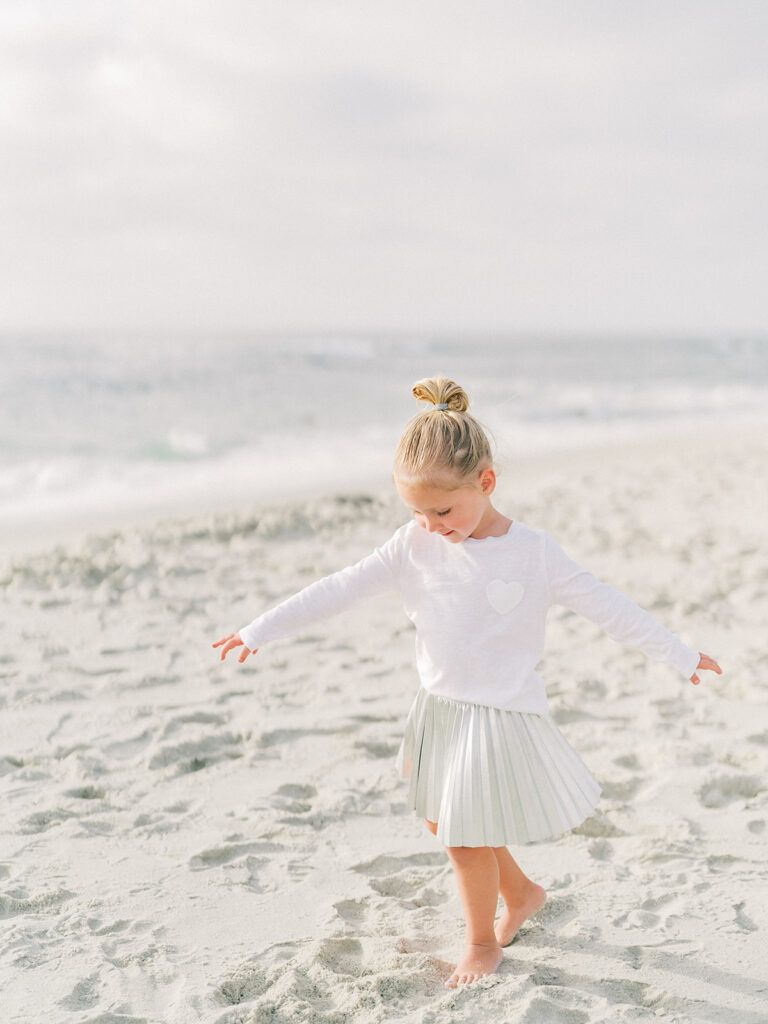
[(584, 165)]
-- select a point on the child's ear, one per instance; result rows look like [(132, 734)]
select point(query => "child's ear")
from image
[(488, 481)]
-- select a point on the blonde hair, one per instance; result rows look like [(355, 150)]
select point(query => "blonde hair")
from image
[(442, 443)]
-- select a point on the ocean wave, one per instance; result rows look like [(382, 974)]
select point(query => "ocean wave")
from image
[(98, 423)]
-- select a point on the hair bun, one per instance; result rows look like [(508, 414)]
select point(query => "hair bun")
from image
[(445, 448), (441, 391)]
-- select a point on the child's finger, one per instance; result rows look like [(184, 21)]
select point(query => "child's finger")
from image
[(695, 679), (223, 640), (231, 644), (709, 663)]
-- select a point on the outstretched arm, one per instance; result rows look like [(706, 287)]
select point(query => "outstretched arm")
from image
[(374, 574), (623, 620)]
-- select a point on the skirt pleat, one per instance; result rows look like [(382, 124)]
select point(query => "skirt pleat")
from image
[(491, 777)]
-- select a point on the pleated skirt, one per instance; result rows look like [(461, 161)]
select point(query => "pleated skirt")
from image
[(490, 777)]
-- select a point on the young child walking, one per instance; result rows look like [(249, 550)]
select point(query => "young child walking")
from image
[(486, 764)]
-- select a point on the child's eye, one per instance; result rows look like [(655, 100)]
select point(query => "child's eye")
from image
[(444, 512)]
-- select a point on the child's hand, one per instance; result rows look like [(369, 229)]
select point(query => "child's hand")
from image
[(230, 642), (704, 662)]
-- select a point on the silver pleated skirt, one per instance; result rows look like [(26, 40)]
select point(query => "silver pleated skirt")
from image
[(490, 777)]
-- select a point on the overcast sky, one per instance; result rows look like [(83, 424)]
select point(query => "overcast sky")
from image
[(425, 164)]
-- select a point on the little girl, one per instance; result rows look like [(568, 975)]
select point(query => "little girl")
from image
[(487, 766)]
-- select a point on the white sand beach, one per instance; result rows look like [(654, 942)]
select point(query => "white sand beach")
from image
[(185, 840)]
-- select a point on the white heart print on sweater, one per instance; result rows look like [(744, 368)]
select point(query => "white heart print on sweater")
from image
[(503, 597)]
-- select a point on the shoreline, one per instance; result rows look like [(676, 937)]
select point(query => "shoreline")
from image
[(38, 534)]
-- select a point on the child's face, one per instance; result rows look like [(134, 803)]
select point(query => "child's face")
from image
[(454, 513)]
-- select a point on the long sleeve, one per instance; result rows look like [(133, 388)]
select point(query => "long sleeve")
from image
[(374, 574), (620, 617)]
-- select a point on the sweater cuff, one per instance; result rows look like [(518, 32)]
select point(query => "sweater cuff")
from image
[(249, 637), (686, 660)]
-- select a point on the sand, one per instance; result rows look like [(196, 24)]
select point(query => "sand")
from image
[(185, 840)]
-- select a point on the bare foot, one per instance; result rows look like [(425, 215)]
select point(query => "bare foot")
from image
[(513, 916), (477, 962)]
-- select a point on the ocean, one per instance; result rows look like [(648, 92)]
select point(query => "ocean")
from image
[(92, 427)]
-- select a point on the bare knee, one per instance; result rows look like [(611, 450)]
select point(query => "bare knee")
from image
[(431, 825), (461, 855)]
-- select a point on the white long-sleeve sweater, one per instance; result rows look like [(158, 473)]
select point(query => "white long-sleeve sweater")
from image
[(479, 608)]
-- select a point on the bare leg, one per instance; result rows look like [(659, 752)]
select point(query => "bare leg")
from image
[(477, 876), (521, 896)]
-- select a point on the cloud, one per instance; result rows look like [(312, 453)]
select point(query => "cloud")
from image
[(260, 164)]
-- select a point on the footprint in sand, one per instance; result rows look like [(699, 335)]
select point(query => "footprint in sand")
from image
[(84, 996), (253, 978), (86, 793), (385, 864), (316, 975), (259, 865), (294, 797), (352, 912), (597, 826), (173, 725), (620, 992), (9, 764), (600, 849), (720, 863), (194, 755), (554, 916), (127, 943), (43, 903), (633, 956), (629, 761), (97, 926), (622, 792), (227, 853), (295, 802), (378, 748), (279, 737), (41, 821), (743, 921), (112, 652), (655, 912), (161, 822), (121, 750), (416, 880), (550, 1009), (342, 956), (726, 789)]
